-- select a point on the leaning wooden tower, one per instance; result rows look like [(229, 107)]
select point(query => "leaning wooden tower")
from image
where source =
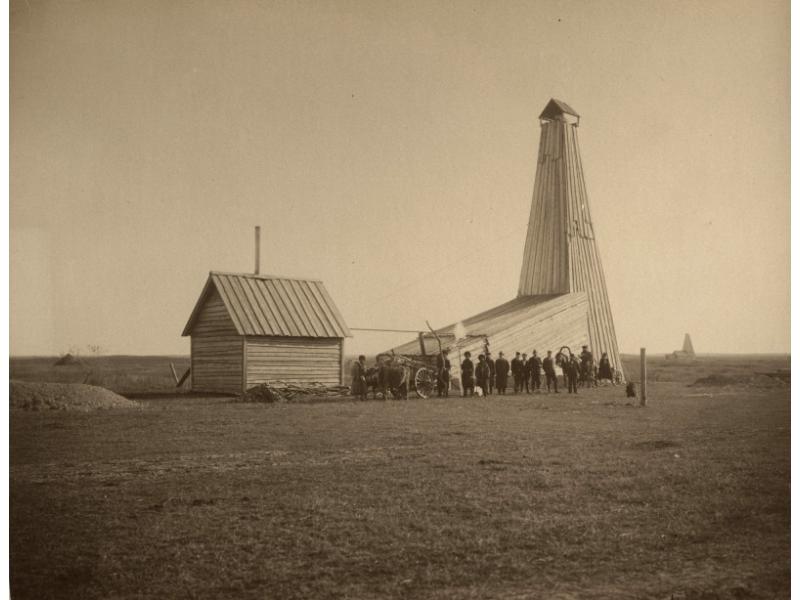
[(561, 254)]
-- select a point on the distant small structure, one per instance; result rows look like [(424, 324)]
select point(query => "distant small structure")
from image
[(67, 360), (248, 329), (687, 353)]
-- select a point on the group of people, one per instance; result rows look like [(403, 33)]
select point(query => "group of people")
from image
[(489, 374)]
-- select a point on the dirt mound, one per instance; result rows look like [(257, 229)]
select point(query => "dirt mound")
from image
[(67, 360), (65, 396), (738, 380)]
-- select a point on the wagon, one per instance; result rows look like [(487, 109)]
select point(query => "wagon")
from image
[(423, 371)]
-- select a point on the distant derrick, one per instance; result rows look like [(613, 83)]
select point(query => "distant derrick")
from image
[(687, 353), (687, 345)]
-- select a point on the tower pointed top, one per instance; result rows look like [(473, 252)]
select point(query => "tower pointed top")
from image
[(557, 108), (687, 345)]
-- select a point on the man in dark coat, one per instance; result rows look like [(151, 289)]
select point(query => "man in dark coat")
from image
[(443, 375), (572, 369), (524, 374), (359, 372), (549, 366), (501, 368), (467, 375), (482, 374), (491, 365), (535, 367), (587, 367), (516, 367)]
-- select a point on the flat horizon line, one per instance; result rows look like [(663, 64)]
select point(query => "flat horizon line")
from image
[(635, 354)]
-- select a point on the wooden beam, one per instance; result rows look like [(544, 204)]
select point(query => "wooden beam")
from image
[(183, 378), (643, 384), (174, 374)]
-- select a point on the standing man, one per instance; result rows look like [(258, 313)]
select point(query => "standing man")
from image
[(549, 366), (443, 374), (587, 366), (490, 364), (482, 374), (467, 373), (536, 372), (571, 370), (501, 368), (516, 363), (525, 374), (359, 372)]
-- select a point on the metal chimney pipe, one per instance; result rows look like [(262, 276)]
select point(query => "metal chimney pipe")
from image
[(258, 249)]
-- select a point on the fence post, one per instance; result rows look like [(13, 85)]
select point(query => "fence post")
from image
[(643, 384)]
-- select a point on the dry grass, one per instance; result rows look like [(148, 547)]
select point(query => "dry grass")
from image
[(519, 497), (120, 374)]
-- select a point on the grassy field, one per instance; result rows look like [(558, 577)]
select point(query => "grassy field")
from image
[(540, 496)]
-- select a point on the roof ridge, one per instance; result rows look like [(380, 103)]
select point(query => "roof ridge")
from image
[(264, 276)]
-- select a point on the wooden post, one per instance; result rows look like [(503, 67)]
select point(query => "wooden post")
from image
[(422, 343), (258, 249), (174, 374), (643, 384)]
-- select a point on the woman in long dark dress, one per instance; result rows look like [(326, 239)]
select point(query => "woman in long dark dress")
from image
[(604, 368)]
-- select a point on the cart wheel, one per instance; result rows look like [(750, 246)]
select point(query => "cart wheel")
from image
[(425, 382)]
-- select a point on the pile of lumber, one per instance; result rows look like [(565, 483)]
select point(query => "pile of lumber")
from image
[(282, 391)]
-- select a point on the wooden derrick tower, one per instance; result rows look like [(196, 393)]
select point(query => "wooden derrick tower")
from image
[(561, 254), (561, 299)]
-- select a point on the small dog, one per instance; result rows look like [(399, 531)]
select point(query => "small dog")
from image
[(630, 390)]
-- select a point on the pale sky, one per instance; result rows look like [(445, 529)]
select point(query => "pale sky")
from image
[(389, 149)]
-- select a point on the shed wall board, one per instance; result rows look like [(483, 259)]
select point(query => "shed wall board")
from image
[(214, 319), (217, 364), (293, 360)]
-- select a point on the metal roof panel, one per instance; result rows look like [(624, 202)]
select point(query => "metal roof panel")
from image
[(275, 306)]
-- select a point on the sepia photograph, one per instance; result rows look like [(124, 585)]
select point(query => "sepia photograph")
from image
[(441, 299)]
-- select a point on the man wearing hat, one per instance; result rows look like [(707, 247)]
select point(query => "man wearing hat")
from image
[(524, 374), (516, 372), (482, 375), (490, 363), (535, 367), (587, 365), (549, 366), (443, 374), (467, 372), (501, 368)]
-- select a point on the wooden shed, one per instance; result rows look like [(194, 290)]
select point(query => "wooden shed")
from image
[(248, 329)]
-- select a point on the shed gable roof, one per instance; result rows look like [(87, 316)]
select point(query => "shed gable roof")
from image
[(274, 306)]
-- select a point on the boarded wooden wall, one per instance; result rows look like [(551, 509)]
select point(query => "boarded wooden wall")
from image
[(217, 350), (217, 364), (295, 360)]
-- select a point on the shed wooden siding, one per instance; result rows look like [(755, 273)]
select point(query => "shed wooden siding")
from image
[(213, 318), (217, 363), (294, 360)]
